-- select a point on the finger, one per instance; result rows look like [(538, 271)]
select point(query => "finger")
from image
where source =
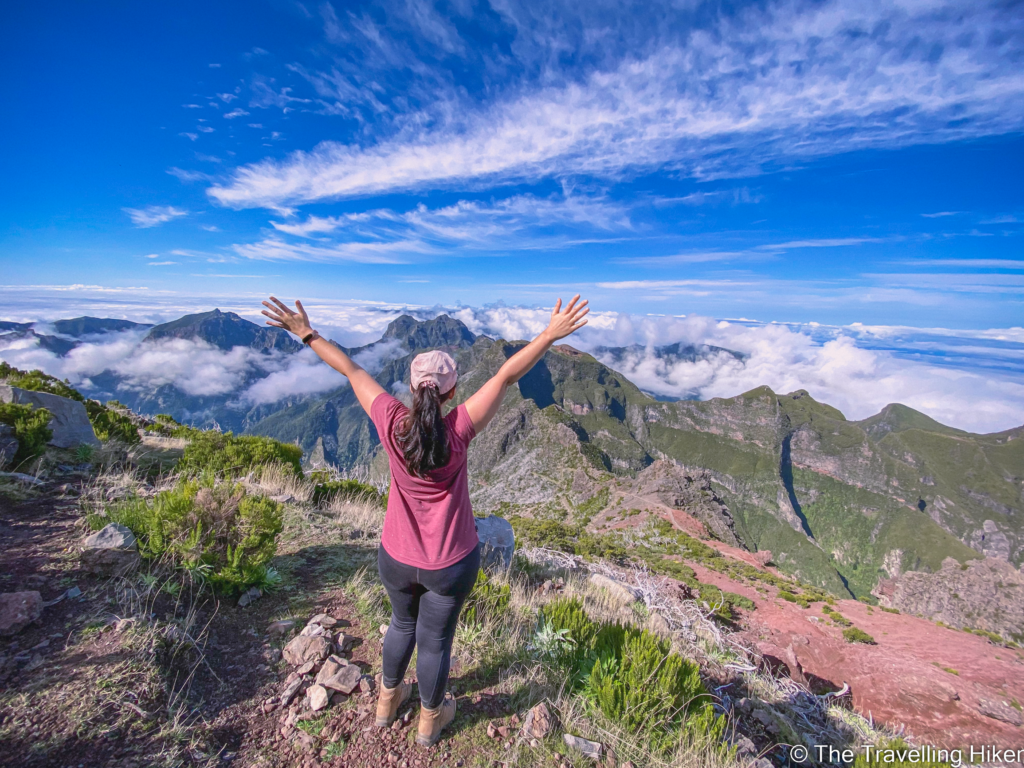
[(558, 306), (271, 307), (579, 315), (281, 305), (302, 311), (276, 325), (580, 307), (579, 325), (572, 303)]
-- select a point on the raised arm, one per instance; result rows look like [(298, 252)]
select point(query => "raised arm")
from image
[(484, 403), (363, 384)]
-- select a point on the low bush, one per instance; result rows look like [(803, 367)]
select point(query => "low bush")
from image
[(890, 610), (488, 599), (108, 424), (636, 682), (572, 539), (566, 618), (215, 531), (836, 616), (855, 635), (31, 428), (229, 456)]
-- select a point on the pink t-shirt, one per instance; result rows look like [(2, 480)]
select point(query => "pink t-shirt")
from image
[(429, 523)]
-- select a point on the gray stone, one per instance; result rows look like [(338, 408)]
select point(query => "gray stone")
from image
[(1001, 711), (313, 630), (8, 445), (345, 642), (303, 649), (21, 477), (591, 749), (617, 590), (290, 689), (110, 551), (324, 620), (346, 679), (497, 542), (318, 698), (249, 596), (69, 423), (18, 610)]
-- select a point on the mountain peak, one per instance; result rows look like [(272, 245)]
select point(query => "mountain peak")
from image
[(441, 331), (225, 330), (897, 417)]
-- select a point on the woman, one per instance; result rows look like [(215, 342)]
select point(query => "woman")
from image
[(428, 558)]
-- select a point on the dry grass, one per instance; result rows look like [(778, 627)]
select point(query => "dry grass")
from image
[(278, 480)]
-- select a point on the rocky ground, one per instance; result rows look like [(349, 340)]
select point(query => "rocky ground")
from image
[(130, 672)]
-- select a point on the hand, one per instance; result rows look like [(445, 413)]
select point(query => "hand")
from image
[(282, 317), (568, 320)]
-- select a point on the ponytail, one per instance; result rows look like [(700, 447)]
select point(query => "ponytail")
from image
[(422, 433)]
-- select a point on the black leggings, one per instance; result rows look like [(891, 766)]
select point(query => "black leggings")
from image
[(425, 608)]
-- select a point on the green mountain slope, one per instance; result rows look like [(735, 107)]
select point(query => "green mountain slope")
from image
[(840, 504)]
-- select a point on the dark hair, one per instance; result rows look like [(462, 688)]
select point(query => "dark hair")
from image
[(422, 433)]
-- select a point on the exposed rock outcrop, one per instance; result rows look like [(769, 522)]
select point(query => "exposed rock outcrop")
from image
[(984, 594), (69, 423), (497, 542)]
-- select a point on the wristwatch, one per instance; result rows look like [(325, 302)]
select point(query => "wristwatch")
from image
[(310, 337)]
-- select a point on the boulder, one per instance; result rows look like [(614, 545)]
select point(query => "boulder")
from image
[(8, 445), (69, 423), (330, 668), (618, 591), (304, 649), (497, 542), (18, 610), (112, 551)]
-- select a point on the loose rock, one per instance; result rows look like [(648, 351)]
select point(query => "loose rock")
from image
[(324, 620), (346, 679), (304, 648), (591, 749), (280, 628), (318, 698), (112, 551), (18, 610), (539, 722), (249, 596)]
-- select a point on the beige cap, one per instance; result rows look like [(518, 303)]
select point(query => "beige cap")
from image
[(435, 369)]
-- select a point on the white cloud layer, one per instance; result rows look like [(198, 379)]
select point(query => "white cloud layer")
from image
[(767, 83), (967, 379)]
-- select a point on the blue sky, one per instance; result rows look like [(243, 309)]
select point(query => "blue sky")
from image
[(833, 162)]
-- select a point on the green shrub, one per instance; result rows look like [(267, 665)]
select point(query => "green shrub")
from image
[(108, 424), (488, 599), (230, 456), (836, 616), (855, 635), (573, 539), (37, 381), (638, 683), (566, 615), (890, 610), (327, 490), (31, 428), (217, 532), (787, 596)]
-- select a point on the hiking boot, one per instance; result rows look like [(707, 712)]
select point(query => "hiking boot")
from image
[(433, 721), (389, 700)]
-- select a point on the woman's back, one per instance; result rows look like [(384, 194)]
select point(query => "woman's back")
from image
[(429, 522)]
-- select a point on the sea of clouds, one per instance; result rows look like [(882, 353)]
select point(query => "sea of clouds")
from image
[(967, 379)]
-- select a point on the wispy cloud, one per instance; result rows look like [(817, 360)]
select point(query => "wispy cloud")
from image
[(274, 249), (153, 215), (940, 214), (769, 82), (825, 242), (696, 257), (235, 113)]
